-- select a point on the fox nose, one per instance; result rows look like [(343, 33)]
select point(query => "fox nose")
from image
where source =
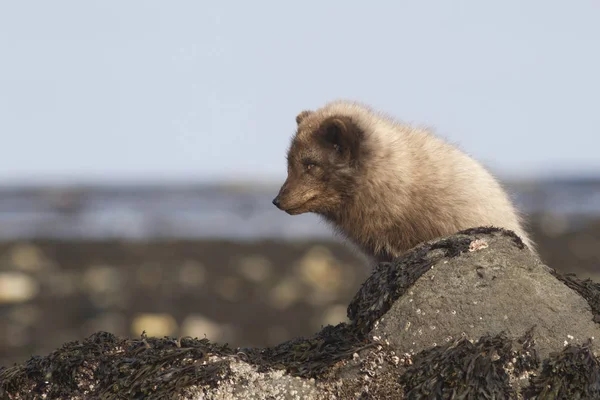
[(276, 202)]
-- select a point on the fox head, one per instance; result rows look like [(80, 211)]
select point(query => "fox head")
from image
[(322, 163)]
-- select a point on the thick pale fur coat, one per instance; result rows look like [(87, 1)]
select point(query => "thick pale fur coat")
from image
[(409, 185)]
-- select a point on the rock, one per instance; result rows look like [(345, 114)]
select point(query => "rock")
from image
[(192, 274), (28, 257), (200, 326), (17, 287), (154, 324), (474, 315), (471, 295), (255, 268)]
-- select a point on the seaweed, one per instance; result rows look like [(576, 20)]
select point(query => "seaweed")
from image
[(466, 370), (587, 289), (111, 367), (574, 373)]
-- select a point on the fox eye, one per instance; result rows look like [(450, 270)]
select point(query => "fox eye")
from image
[(309, 166)]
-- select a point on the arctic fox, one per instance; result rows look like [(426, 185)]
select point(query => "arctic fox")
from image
[(387, 186)]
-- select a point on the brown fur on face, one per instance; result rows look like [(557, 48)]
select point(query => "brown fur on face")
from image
[(321, 160), (388, 186)]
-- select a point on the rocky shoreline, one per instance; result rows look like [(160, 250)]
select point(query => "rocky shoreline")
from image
[(250, 293), (473, 315)]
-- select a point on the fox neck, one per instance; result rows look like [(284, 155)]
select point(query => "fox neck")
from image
[(374, 222)]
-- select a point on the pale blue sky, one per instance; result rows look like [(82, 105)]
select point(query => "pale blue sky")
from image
[(154, 90)]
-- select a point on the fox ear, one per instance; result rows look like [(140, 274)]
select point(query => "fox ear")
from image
[(341, 135), (302, 115), (335, 131)]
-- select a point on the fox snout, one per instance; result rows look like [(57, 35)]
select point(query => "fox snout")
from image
[(277, 202), (288, 201)]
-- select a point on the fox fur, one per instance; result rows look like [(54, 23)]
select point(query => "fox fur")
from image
[(387, 186)]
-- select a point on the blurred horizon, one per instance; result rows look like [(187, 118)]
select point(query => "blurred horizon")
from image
[(226, 210), (267, 181)]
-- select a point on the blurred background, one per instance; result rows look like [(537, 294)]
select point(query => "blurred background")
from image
[(142, 143)]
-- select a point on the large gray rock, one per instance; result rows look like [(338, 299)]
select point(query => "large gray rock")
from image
[(474, 315), (492, 287)]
